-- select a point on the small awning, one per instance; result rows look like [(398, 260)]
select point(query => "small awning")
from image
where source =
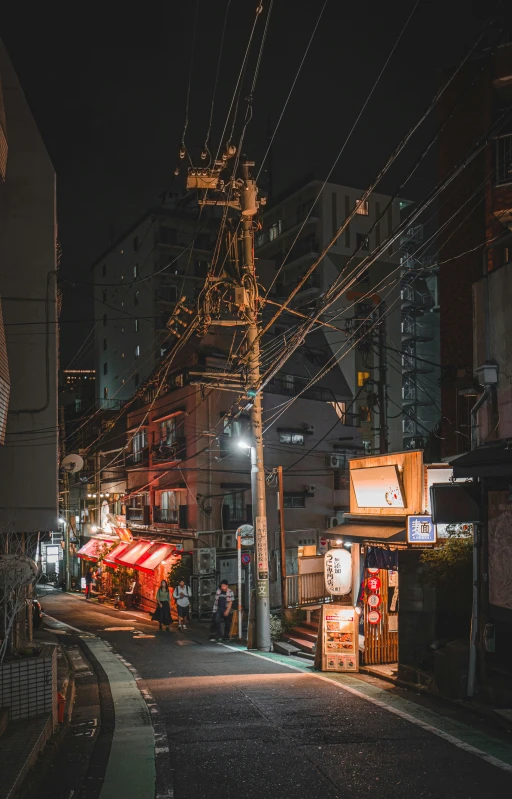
[(93, 548), (371, 531), (153, 557), (490, 460), (120, 548), (124, 534), (132, 554)]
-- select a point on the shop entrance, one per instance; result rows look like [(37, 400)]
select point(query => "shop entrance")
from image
[(380, 615)]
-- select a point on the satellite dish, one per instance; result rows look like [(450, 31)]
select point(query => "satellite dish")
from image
[(73, 464)]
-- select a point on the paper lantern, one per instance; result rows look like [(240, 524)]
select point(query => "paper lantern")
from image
[(338, 571)]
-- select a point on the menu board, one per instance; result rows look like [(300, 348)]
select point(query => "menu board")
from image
[(340, 638)]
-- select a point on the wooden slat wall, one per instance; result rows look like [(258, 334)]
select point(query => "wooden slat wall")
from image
[(380, 645)]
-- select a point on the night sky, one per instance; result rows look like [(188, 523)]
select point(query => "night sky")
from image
[(107, 87)]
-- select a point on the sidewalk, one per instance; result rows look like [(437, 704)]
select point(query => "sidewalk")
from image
[(24, 741)]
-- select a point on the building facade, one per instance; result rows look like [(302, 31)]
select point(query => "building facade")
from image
[(164, 256), (297, 227), (28, 287)]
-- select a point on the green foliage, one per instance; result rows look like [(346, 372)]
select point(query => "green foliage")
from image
[(182, 570), (450, 562), (276, 627), (293, 618)]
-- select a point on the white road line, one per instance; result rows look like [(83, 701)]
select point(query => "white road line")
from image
[(494, 761)]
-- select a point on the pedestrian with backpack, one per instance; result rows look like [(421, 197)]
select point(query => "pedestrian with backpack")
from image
[(182, 594)]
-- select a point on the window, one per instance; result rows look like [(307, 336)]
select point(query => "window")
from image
[(104, 270), (293, 500), (122, 356), (135, 270), (135, 243), (347, 214), (504, 159), (136, 298), (236, 505), (171, 429), (104, 320), (176, 380), (104, 344), (137, 351), (362, 377), (362, 207), (167, 293), (334, 213), (136, 325), (105, 392), (377, 224), (105, 368), (275, 230), (291, 438), (140, 442), (340, 408), (201, 268), (169, 507), (362, 241), (104, 295), (136, 378)]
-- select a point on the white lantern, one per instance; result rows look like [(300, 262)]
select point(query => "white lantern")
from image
[(338, 571)]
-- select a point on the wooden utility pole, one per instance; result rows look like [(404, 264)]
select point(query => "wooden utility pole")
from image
[(282, 536)]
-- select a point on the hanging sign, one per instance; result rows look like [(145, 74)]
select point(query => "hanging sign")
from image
[(393, 600), (373, 600), (420, 530), (338, 571), (373, 617), (373, 583)]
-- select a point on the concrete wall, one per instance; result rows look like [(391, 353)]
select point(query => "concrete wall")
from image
[(29, 460)]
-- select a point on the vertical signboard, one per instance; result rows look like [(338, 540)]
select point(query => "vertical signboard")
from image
[(261, 556), (340, 638)]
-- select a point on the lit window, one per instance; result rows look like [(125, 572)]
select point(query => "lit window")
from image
[(364, 413), (105, 392), (137, 351), (275, 230), (291, 438), (362, 377), (340, 408), (122, 356), (135, 270), (362, 207), (171, 429), (136, 325)]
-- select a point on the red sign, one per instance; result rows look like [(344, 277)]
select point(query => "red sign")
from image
[(373, 583), (374, 600), (373, 617), (323, 542)]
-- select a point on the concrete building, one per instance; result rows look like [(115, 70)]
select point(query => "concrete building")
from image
[(298, 226), (137, 282), (28, 287)]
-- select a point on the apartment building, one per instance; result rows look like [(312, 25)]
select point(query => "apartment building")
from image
[(297, 227), (162, 257)]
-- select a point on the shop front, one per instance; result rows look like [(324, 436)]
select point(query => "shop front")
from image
[(389, 517)]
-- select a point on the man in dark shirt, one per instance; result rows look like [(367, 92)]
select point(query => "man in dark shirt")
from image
[(224, 598)]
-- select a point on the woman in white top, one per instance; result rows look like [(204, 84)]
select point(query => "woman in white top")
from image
[(182, 594)]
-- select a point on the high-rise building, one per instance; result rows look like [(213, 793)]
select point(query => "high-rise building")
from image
[(162, 257), (298, 225)]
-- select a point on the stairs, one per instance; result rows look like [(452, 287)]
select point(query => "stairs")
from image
[(305, 635)]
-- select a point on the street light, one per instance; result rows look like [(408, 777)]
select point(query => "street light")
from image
[(243, 443)]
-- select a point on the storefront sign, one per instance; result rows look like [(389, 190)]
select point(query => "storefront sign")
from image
[(338, 571), (373, 583), (373, 617), (340, 637), (377, 487), (261, 552), (420, 530), (373, 600), (393, 600)]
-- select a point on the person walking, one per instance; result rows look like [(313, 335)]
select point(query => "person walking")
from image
[(182, 594), (89, 579), (162, 613), (224, 599)]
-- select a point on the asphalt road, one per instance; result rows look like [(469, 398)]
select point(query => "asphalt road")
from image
[(249, 726)]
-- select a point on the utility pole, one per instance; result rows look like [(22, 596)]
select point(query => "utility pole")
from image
[(282, 535), (249, 207), (65, 508), (241, 194), (382, 385)]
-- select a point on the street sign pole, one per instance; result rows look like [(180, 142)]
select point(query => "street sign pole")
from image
[(240, 609)]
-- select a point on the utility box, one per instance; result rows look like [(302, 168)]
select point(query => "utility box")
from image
[(204, 560)]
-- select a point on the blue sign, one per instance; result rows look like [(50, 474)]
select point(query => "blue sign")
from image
[(420, 530), (246, 558)]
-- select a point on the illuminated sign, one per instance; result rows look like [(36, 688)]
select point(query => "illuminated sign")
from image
[(377, 487), (420, 530), (338, 571)]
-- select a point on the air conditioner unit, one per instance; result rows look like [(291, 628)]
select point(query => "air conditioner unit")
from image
[(335, 461), (228, 541), (310, 489), (204, 560), (331, 521)]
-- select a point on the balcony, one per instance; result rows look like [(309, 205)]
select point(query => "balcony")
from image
[(135, 515), (165, 516), (166, 453), (137, 459), (305, 589)]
